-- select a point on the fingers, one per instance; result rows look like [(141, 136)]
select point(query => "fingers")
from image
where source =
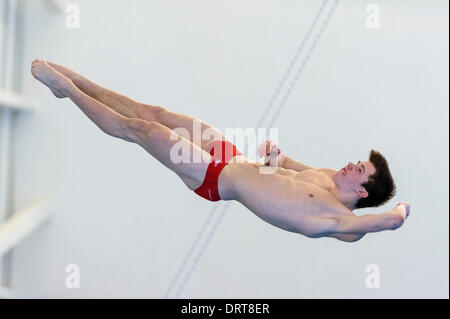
[(270, 151), (268, 148), (261, 149)]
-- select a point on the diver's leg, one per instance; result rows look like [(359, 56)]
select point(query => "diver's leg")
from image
[(118, 102), (133, 109), (155, 138)]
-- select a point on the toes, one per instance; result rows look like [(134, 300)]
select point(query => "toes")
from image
[(37, 62)]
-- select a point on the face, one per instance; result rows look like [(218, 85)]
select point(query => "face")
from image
[(350, 177)]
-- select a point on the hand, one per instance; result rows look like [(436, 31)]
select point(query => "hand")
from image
[(403, 209), (269, 150)]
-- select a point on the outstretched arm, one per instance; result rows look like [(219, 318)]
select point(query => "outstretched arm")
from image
[(370, 223), (352, 228)]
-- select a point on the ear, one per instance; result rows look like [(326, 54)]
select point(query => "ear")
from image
[(362, 192)]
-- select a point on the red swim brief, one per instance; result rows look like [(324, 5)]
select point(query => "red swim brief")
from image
[(222, 152)]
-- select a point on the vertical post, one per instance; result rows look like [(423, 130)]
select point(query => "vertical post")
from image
[(2, 37), (8, 48), (2, 55)]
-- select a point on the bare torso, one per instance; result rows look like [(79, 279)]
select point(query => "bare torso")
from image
[(285, 198)]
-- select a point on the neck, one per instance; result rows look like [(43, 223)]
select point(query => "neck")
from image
[(347, 199)]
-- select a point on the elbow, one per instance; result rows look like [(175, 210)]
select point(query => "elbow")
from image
[(354, 238)]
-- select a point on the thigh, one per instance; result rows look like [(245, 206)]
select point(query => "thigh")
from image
[(207, 133), (187, 160)]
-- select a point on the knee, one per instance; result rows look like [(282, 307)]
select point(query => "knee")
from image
[(162, 115), (151, 112), (137, 130)]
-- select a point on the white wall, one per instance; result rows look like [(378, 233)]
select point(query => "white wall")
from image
[(128, 222)]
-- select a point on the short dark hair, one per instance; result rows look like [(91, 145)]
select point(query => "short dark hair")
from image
[(380, 186)]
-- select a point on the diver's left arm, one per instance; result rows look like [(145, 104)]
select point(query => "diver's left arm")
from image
[(358, 225)]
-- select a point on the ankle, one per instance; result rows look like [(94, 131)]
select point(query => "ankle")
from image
[(68, 87)]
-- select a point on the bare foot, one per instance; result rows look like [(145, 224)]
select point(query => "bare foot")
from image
[(54, 80)]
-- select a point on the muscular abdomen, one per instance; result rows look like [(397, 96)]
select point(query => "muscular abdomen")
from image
[(280, 198)]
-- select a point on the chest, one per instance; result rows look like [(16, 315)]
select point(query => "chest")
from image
[(319, 179)]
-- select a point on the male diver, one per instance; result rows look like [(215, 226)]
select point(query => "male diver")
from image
[(314, 202)]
